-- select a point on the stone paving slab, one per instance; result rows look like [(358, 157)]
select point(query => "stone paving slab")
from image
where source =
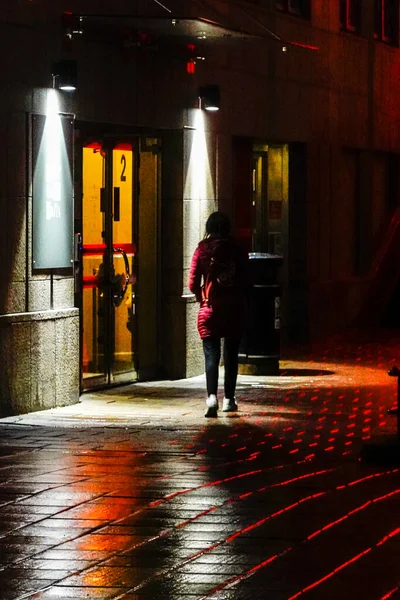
[(133, 495)]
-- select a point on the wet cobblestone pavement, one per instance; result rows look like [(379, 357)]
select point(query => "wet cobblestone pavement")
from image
[(133, 495)]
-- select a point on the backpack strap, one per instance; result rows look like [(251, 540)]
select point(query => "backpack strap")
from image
[(206, 288)]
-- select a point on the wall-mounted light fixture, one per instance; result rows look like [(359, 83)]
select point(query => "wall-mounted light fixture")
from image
[(65, 75), (209, 97)]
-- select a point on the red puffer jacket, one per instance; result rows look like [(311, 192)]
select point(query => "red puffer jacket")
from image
[(226, 316)]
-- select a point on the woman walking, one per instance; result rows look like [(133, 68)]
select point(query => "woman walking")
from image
[(219, 280)]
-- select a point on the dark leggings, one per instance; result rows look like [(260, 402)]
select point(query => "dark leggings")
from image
[(212, 355)]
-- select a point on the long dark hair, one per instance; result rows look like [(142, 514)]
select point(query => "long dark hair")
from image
[(218, 225)]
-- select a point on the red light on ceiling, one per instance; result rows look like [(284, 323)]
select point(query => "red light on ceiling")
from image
[(123, 146), (191, 67), (191, 63), (95, 145), (143, 39)]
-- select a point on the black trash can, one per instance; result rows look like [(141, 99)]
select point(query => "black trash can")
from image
[(260, 349)]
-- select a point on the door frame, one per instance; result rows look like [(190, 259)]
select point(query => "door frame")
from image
[(149, 144), (109, 142)]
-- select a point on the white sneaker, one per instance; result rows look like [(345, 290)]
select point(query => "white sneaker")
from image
[(229, 405), (212, 406)]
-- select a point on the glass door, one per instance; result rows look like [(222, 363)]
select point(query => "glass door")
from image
[(109, 175), (123, 276)]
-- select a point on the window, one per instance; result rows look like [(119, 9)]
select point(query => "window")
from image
[(300, 8), (350, 15), (386, 26)]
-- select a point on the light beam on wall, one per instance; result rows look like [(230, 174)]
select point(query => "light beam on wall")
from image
[(199, 191), (52, 187), (198, 184), (52, 139)]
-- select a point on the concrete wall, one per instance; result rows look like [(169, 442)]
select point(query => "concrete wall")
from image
[(39, 353)]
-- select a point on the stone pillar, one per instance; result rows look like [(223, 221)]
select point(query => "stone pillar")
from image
[(199, 201), (39, 353), (39, 326), (188, 183)]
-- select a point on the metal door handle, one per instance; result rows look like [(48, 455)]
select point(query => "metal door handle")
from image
[(118, 296)]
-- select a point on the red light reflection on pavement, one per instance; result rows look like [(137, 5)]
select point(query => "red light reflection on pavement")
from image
[(390, 594), (345, 564), (313, 428), (391, 534), (273, 515), (332, 573), (235, 580), (208, 549), (204, 485)]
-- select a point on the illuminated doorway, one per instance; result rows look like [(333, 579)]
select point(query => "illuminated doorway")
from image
[(119, 206), (261, 195), (270, 189)]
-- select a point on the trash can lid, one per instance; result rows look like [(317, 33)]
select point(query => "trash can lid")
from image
[(265, 255)]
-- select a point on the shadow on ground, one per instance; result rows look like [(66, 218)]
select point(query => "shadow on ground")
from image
[(305, 372)]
